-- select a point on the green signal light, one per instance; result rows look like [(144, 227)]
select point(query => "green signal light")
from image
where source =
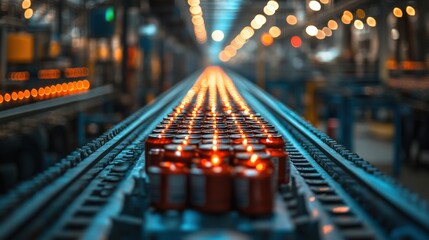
[(109, 14)]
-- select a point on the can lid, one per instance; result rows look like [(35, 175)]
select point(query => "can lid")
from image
[(214, 147), (156, 151), (218, 136), (257, 155), (249, 148), (188, 136), (160, 136), (223, 141), (179, 147)]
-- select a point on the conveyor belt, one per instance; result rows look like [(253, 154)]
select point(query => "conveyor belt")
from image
[(98, 191)]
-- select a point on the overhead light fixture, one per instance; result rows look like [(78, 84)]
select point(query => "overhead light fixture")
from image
[(397, 12), (358, 24), (320, 35), (273, 4), (291, 20), (198, 20), (28, 13), (311, 30), (360, 13), (266, 39), (269, 10), (26, 4), (327, 31), (247, 32), (296, 42), (314, 5), (410, 11), (332, 24), (371, 22), (275, 31), (217, 35)]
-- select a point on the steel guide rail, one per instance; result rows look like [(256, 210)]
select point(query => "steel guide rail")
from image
[(313, 194), (397, 211), (97, 191), (26, 210)]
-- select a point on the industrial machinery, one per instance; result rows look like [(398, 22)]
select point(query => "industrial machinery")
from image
[(102, 190)]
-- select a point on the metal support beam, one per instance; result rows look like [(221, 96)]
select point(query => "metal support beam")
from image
[(124, 67), (3, 54)]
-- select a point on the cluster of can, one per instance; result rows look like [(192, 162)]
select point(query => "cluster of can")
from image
[(215, 168)]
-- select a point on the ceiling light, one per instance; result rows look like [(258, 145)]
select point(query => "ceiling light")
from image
[(371, 22), (410, 11), (28, 13), (217, 35), (269, 10), (291, 20), (360, 13), (327, 31), (26, 4), (266, 39), (332, 24), (195, 10), (247, 32), (296, 42), (358, 24), (275, 31), (397, 12), (311, 30), (320, 35), (273, 4), (260, 19), (314, 5)]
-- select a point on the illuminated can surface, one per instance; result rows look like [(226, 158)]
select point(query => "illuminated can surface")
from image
[(168, 186), (275, 146), (251, 159), (191, 142), (179, 153), (157, 141), (223, 141), (211, 187), (254, 190), (249, 148), (207, 151), (154, 157)]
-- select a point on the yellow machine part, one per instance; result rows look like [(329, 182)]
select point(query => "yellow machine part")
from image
[(20, 48)]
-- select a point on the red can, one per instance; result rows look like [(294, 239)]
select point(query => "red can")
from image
[(192, 142), (190, 131), (214, 136), (223, 141), (187, 136), (179, 153), (164, 131), (254, 190), (157, 141), (243, 139), (208, 151), (251, 159), (211, 187), (249, 148), (168, 186), (154, 157), (265, 131), (275, 146)]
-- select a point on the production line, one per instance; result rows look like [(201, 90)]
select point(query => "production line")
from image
[(213, 156)]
